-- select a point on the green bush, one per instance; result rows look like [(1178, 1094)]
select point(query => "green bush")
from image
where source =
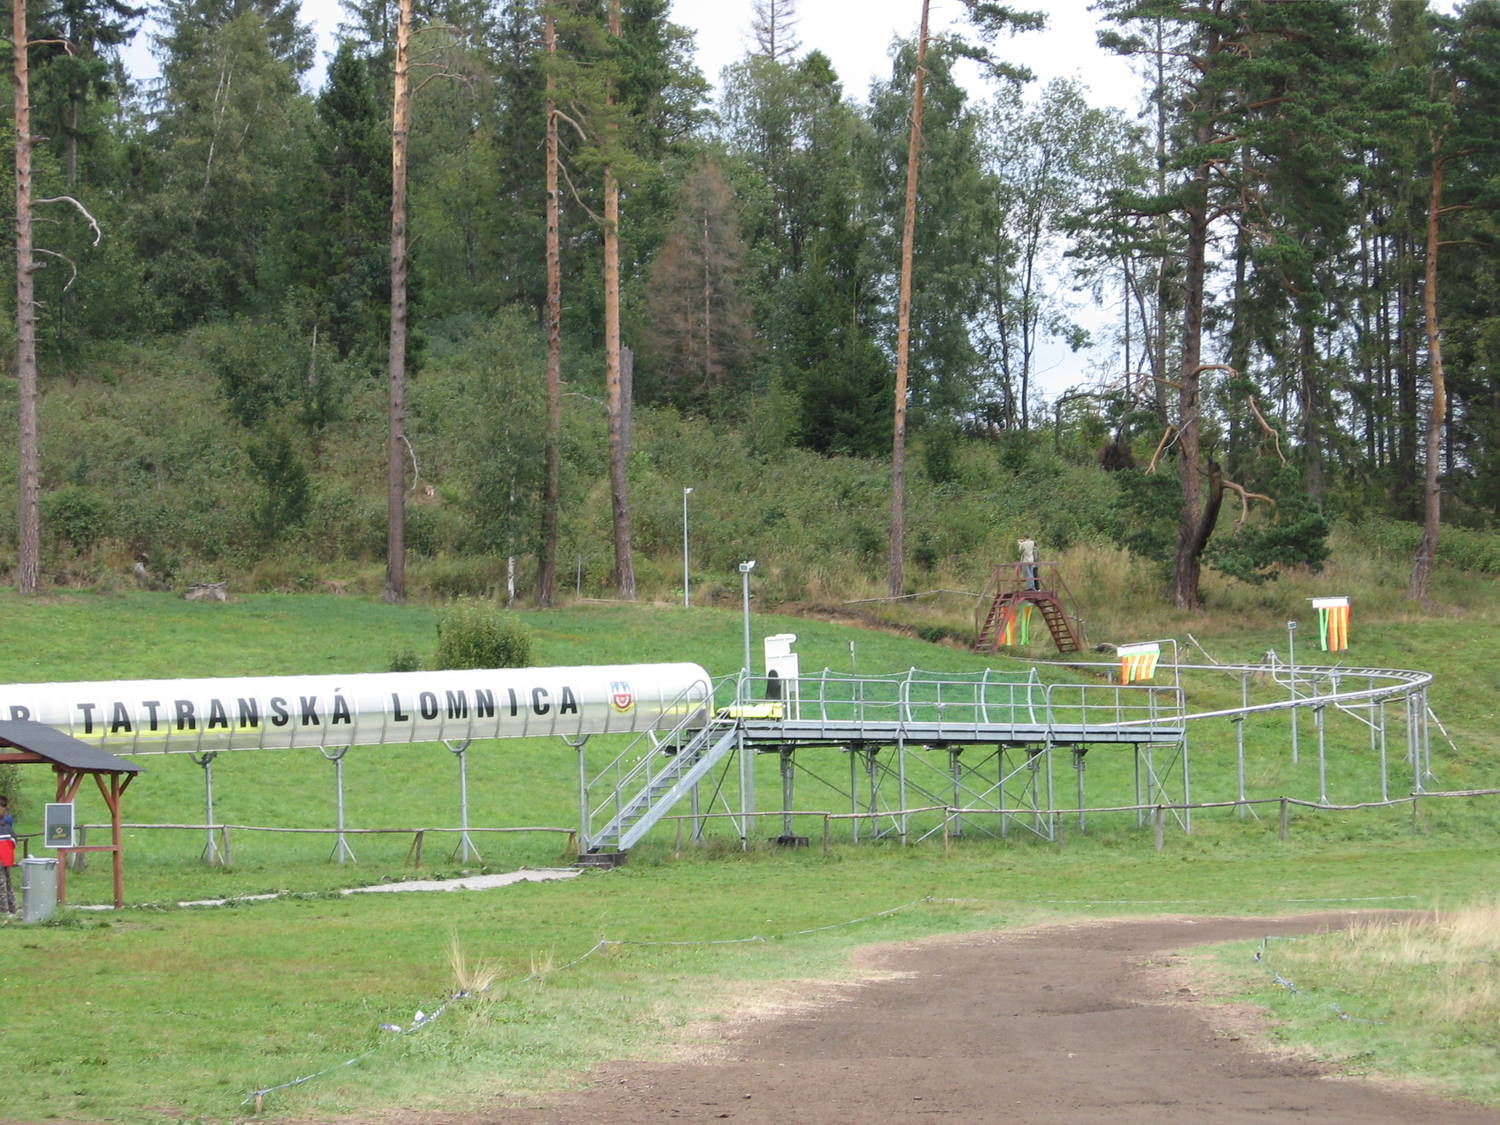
[(286, 486), (474, 634), (1458, 546), (77, 516), (448, 577)]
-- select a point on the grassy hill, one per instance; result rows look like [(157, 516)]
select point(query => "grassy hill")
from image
[(188, 1011)]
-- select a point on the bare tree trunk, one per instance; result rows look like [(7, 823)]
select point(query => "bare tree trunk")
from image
[(903, 324), (551, 486), (1195, 526), (1432, 489), (1309, 402), (708, 311), (395, 548), (616, 406), (28, 566), (1159, 350)]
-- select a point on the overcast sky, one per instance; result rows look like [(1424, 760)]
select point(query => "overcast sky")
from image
[(857, 37)]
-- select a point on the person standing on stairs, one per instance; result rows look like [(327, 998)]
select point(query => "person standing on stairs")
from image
[(1027, 546)]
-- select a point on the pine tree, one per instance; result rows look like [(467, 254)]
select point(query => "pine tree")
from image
[(698, 331), (1239, 74)]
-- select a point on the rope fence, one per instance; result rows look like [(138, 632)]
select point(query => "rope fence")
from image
[(1157, 815), (413, 853)]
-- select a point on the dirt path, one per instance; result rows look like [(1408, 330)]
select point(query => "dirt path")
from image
[(1073, 1024)]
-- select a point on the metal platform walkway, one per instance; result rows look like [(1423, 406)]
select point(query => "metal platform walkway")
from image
[(993, 738)]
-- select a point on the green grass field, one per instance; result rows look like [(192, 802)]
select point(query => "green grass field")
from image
[(158, 1011)]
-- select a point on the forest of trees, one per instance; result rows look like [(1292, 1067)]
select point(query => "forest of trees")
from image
[(1289, 241)]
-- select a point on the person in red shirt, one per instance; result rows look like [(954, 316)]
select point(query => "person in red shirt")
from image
[(7, 855)]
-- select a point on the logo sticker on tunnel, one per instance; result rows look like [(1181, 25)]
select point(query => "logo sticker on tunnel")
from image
[(621, 698)]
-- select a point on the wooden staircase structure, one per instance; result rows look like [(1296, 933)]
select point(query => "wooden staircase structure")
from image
[(1009, 590)]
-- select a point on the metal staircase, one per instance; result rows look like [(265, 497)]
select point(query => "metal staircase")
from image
[(663, 776), (1007, 593)]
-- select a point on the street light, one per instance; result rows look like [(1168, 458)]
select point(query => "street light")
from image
[(1291, 663), (745, 569), (686, 492)]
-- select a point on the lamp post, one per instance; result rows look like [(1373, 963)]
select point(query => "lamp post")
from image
[(747, 763), (686, 492), (1291, 661), (745, 569)]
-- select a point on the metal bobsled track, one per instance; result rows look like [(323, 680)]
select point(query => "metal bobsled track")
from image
[(977, 754)]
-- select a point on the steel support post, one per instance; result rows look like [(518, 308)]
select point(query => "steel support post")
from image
[(1239, 744), (786, 790), (342, 852), (1140, 813), (1291, 666), (1079, 755), (903, 826), (585, 815), (1413, 742), (1322, 756), (1187, 785), (1001, 761), (1385, 775), (466, 852), (1051, 818), (853, 752), (956, 771), (211, 853), (872, 777), (1426, 738), (1039, 823), (747, 771)]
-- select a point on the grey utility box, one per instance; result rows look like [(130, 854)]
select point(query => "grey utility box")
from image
[(38, 888)]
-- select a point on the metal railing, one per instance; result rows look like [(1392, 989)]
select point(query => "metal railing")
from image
[(1013, 576), (603, 795), (835, 702)]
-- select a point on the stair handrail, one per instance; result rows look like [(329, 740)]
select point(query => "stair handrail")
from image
[(1068, 601), (1011, 578), (696, 701), (721, 733)]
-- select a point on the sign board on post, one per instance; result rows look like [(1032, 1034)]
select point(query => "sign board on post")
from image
[(783, 671), (57, 825)]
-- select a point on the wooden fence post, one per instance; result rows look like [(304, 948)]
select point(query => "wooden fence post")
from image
[(1284, 820)]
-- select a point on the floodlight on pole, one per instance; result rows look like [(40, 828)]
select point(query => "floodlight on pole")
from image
[(1291, 663), (745, 569), (686, 492)]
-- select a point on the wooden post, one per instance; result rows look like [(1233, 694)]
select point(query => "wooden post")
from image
[(1284, 825), (1160, 826), (825, 834)]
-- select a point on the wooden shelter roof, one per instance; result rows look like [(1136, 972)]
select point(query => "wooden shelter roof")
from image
[(52, 745)]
